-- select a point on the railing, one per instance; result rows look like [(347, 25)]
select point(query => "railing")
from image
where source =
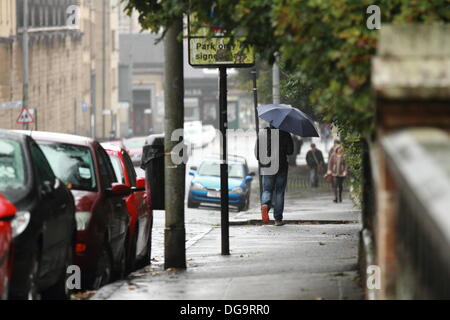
[(418, 162)]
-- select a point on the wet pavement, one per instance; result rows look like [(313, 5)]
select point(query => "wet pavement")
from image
[(313, 256)]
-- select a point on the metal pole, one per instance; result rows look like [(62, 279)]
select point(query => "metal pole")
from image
[(104, 67), (35, 119), (93, 111), (255, 98), (276, 80), (93, 105), (75, 116), (224, 196), (130, 70), (174, 233), (25, 56)]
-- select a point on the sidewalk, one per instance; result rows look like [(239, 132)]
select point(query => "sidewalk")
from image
[(312, 259)]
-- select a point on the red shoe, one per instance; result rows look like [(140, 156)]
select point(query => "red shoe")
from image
[(265, 213)]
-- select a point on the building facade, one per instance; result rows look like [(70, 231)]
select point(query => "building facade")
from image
[(141, 82), (72, 67)]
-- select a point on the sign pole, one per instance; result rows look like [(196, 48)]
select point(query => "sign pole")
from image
[(223, 118), (255, 98), (216, 52)]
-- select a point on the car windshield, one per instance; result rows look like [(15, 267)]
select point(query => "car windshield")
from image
[(134, 143), (236, 170), (72, 164), (193, 130), (212, 169), (13, 173), (117, 168)]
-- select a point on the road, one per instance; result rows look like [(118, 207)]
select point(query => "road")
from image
[(200, 221)]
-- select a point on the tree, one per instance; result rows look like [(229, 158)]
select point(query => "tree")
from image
[(325, 45)]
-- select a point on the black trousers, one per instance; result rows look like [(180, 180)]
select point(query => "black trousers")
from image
[(338, 183)]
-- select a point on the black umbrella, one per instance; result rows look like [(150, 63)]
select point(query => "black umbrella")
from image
[(286, 118)]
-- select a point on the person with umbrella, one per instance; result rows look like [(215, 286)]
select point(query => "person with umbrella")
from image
[(287, 120)]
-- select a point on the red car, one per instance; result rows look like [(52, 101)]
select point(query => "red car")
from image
[(138, 205), (101, 215), (134, 147), (7, 213)]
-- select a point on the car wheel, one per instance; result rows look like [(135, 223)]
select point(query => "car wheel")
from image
[(33, 292), (244, 205), (131, 254), (4, 295), (145, 261), (121, 271), (192, 204), (247, 203), (103, 271), (60, 291), (28, 289)]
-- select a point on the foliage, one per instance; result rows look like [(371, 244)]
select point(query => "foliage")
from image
[(325, 46), (264, 80)]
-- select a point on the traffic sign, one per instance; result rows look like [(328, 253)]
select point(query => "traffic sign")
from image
[(11, 105), (25, 116), (217, 50)]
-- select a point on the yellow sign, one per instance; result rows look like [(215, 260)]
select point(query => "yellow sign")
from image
[(217, 50)]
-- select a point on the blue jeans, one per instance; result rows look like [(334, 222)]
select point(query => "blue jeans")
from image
[(274, 187), (314, 177)]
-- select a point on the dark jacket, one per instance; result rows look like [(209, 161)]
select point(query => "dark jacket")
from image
[(286, 146), (314, 158)]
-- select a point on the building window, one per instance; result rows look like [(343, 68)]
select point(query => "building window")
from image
[(44, 13)]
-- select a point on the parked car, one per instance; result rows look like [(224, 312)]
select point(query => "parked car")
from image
[(101, 215), (44, 225), (134, 148), (117, 143), (205, 186), (7, 214), (193, 134), (139, 208), (208, 134)]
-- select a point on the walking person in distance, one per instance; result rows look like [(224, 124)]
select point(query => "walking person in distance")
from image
[(337, 168), (315, 162)]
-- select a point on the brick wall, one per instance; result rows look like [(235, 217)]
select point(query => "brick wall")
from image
[(57, 81)]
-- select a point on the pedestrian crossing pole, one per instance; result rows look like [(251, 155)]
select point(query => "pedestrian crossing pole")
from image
[(223, 119)]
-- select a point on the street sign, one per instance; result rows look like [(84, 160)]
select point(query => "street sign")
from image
[(25, 116), (11, 105), (209, 48), (216, 51)]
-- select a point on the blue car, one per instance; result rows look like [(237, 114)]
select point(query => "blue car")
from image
[(205, 186)]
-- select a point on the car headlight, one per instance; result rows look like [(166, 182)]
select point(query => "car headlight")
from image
[(237, 190), (20, 222), (197, 186), (82, 218)]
